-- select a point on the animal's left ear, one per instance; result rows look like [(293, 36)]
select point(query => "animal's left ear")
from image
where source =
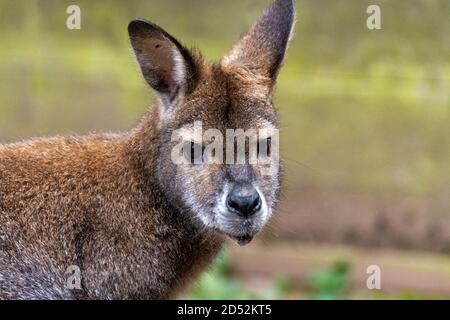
[(263, 48)]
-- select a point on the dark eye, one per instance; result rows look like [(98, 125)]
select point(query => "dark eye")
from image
[(193, 152), (265, 144)]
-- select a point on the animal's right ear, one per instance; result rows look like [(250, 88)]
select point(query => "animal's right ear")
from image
[(167, 66)]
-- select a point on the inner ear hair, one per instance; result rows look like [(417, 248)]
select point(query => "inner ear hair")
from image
[(262, 50), (168, 67)]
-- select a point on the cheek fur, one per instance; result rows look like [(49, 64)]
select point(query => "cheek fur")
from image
[(199, 183)]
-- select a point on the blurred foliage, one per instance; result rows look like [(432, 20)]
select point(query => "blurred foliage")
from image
[(219, 283), (324, 283), (330, 283)]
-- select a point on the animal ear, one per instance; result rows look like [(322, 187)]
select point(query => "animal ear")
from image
[(263, 48), (167, 66)]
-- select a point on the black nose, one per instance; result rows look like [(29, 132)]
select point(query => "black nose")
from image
[(244, 200)]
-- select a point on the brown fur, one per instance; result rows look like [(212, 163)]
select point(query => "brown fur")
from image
[(114, 204)]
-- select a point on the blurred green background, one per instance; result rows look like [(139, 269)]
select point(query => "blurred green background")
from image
[(365, 123)]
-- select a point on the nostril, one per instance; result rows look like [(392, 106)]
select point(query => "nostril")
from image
[(244, 201), (233, 204), (256, 204)]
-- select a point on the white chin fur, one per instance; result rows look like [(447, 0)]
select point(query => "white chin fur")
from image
[(222, 219)]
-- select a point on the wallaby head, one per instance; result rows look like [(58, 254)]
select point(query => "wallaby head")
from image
[(198, 104)]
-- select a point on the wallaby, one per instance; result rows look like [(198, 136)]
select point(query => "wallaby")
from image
[(136, 224)]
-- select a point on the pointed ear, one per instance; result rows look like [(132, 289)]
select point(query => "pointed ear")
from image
[(263, 48), (167, 66)]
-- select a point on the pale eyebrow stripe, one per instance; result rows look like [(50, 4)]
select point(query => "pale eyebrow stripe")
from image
[(265, 131), (266, 134), (187, 134)]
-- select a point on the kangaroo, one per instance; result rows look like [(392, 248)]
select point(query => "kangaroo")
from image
[(137, 225)]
